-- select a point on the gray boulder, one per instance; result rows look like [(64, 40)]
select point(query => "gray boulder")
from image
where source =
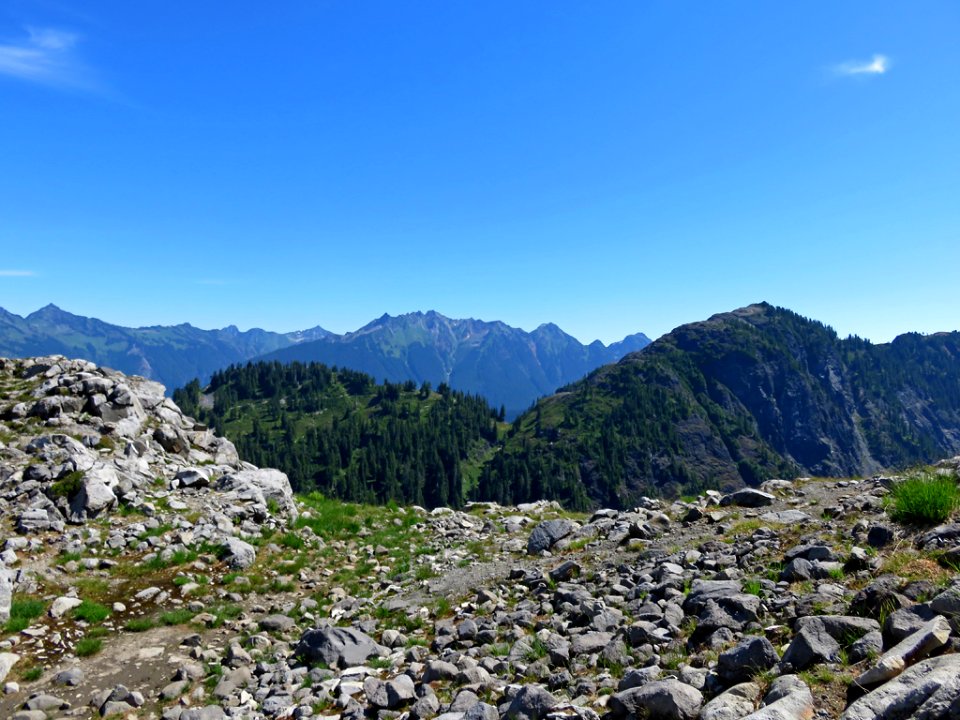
[(930, 690), (748, 497), (788, 698), (7, 661), (239, 554), (811, 645), (267, 487), (667, 699), (532, 702), (337, 647), (210, 712), (6, 593), (751, 656), (931, 636), (940, 537), (908, 620), (481, 711), (400, 691), (735, 703), (96, 492), (40, 520), (546, 534)]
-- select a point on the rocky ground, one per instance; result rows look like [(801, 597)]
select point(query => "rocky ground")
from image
[(148, 573)]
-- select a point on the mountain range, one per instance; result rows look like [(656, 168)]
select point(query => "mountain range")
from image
[(173, 355), (507, 366)]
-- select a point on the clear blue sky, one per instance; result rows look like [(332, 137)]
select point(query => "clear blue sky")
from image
[(611, 167)]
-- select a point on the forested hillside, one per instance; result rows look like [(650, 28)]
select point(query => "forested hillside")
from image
[(339, 432), (757, 393), (744, 396)]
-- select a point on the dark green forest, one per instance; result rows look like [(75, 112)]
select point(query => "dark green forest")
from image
[(340, 432)]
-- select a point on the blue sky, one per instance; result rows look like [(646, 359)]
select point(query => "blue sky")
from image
[(611, 167)]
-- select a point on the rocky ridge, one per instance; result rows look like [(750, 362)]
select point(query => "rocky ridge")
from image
[(148, 572)]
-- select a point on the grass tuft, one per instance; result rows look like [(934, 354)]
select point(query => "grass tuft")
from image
[(91, 612), (22, 612), (141, 624), (925, 499), (88, 646), (176, 617)]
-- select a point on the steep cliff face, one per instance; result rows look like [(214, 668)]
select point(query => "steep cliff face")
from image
[(741, 397)]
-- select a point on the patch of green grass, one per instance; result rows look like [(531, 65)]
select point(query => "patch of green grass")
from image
[(222, 613), (215, 673), (292, 540), (913, 564), (924, 499), (93, 588), (157, 563), (176, 617), (70, 557), (88, 646), (424, 572), (31, 673), (141, 624), (538, 649), (156, 532), (130, 511), (579, 543), (752, 587), (442, 608), (672, 660), (91, 612), (22, 612), (818, 676), (329, 518)]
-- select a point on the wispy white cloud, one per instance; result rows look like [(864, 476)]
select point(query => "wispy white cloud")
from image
[(876, 66), (46, 56), (17, 273)]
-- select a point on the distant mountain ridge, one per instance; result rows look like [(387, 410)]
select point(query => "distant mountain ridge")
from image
[(506, 365), (173, 355), (744, 396)]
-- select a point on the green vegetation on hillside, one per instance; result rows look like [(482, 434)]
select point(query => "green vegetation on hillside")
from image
[(745, 396), (742, 397), (338, 432)]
